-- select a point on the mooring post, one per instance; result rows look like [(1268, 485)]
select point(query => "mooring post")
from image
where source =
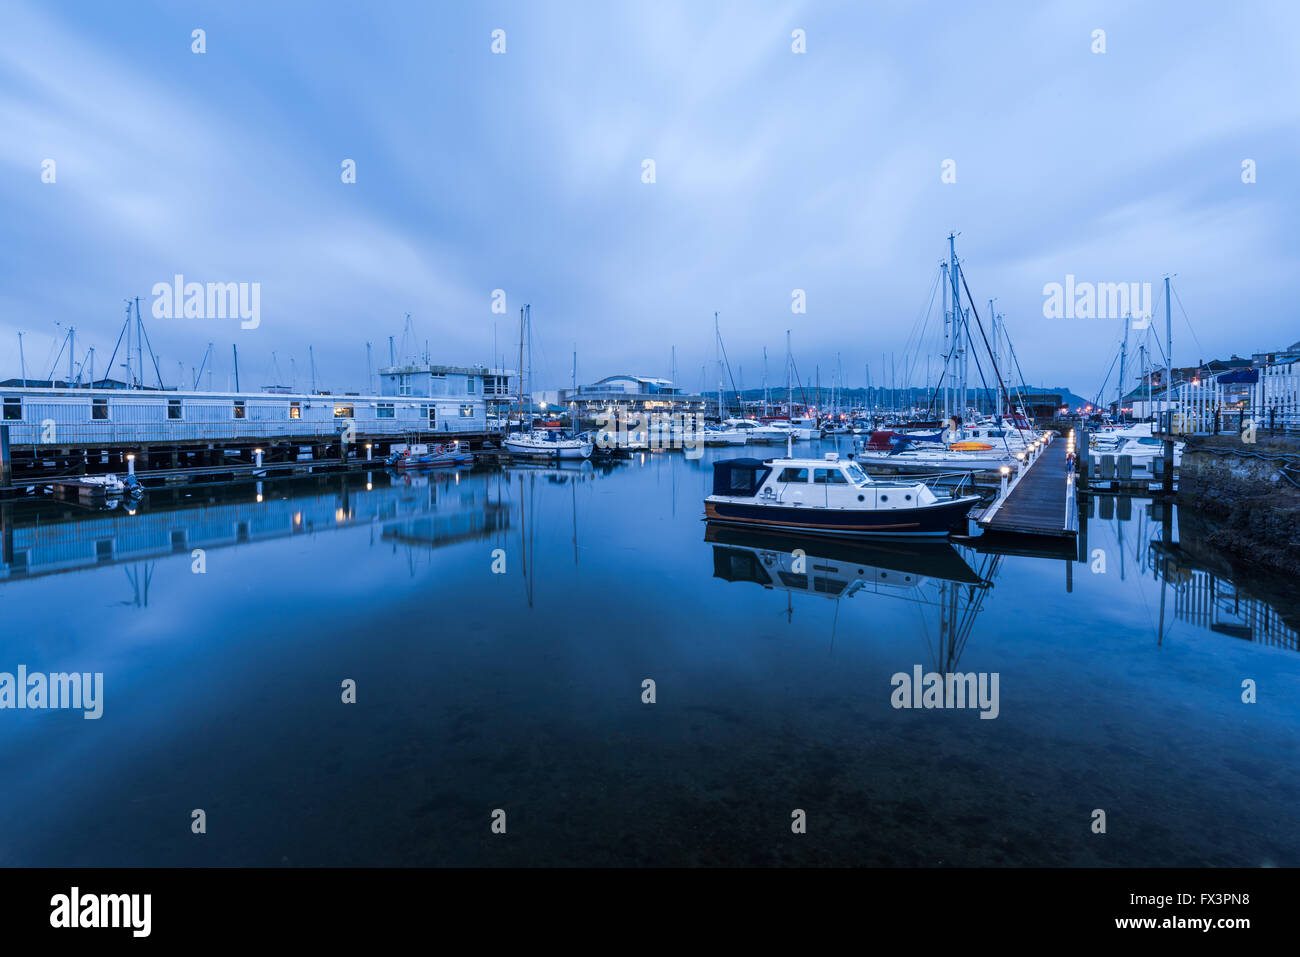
[(6, 466)]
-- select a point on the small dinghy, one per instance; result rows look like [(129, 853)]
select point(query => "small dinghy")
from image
[(420, 457)]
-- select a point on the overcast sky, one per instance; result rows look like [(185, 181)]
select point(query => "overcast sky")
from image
[(523, 171)]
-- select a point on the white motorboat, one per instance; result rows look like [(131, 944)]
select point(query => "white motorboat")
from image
[(758, 433), (831, 497), (715, 435)]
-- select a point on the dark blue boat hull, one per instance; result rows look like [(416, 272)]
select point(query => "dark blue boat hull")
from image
[(930, 521)]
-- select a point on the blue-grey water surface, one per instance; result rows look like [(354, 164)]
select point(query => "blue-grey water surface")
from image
[(523, 691)]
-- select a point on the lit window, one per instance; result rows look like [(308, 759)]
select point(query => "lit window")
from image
[(343, 412), (295, 410), (467, 411), (239, 409)]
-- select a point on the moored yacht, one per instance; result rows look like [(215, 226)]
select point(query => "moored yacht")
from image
[(828, 496), (551, 443), (758, 433)]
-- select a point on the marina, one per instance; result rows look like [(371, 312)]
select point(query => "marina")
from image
[(771, 657), (446, 446)]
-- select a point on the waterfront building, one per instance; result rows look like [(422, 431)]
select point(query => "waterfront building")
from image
[(631, 393)]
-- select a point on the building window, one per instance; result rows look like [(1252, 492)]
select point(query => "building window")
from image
[(239, 409), (295, 410), (403, 385), (13, 408), (433, 415), (343, 412), (174, 409), (469, 385), (467, 411), (385, 410), (99, 408)]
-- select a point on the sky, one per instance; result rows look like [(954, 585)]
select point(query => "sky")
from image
[(838, 171)]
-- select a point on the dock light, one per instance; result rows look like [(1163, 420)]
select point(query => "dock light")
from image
[(370, 451), (1005, 470), (130, 465), (257, 457)]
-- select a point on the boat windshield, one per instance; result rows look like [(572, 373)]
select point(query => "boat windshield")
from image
[(856, 475)]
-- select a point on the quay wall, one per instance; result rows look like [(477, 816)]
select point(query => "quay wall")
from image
[(1245, 497)]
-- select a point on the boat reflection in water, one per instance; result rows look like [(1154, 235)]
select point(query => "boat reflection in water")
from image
[(933, 575)]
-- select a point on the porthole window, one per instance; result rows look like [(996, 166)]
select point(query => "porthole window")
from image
[(884, 498), (907, 498), (862, 498)]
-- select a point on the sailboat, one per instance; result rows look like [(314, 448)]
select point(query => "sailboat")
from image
[(551, 443)]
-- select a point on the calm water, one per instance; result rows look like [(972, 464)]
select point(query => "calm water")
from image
[(523, 690)]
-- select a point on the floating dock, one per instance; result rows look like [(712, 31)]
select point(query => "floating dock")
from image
[(1041, 498)]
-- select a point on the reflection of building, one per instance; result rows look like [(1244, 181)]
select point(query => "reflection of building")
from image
[(38, 541), (1208, 600), (633, 393)]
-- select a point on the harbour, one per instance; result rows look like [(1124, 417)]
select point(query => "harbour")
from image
[(497, 456), (771, 681)]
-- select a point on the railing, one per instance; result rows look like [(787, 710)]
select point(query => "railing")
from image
[(55, 434)]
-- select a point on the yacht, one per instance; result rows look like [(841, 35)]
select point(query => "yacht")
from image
[(723, 435), (758, 433), (552, 443), (828, 496)]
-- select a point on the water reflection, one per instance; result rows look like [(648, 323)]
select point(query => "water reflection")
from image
[(931, 575), (568, 586)]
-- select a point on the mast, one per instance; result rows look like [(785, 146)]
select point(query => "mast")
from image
[(22, 361), (139, 340), (766, 411), (1123, 359), (717, 353), (993, 318), (959, 348), (370, 376), (311, 360), (235, 350), (789, 392), (521, 368), (1169, 349)]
